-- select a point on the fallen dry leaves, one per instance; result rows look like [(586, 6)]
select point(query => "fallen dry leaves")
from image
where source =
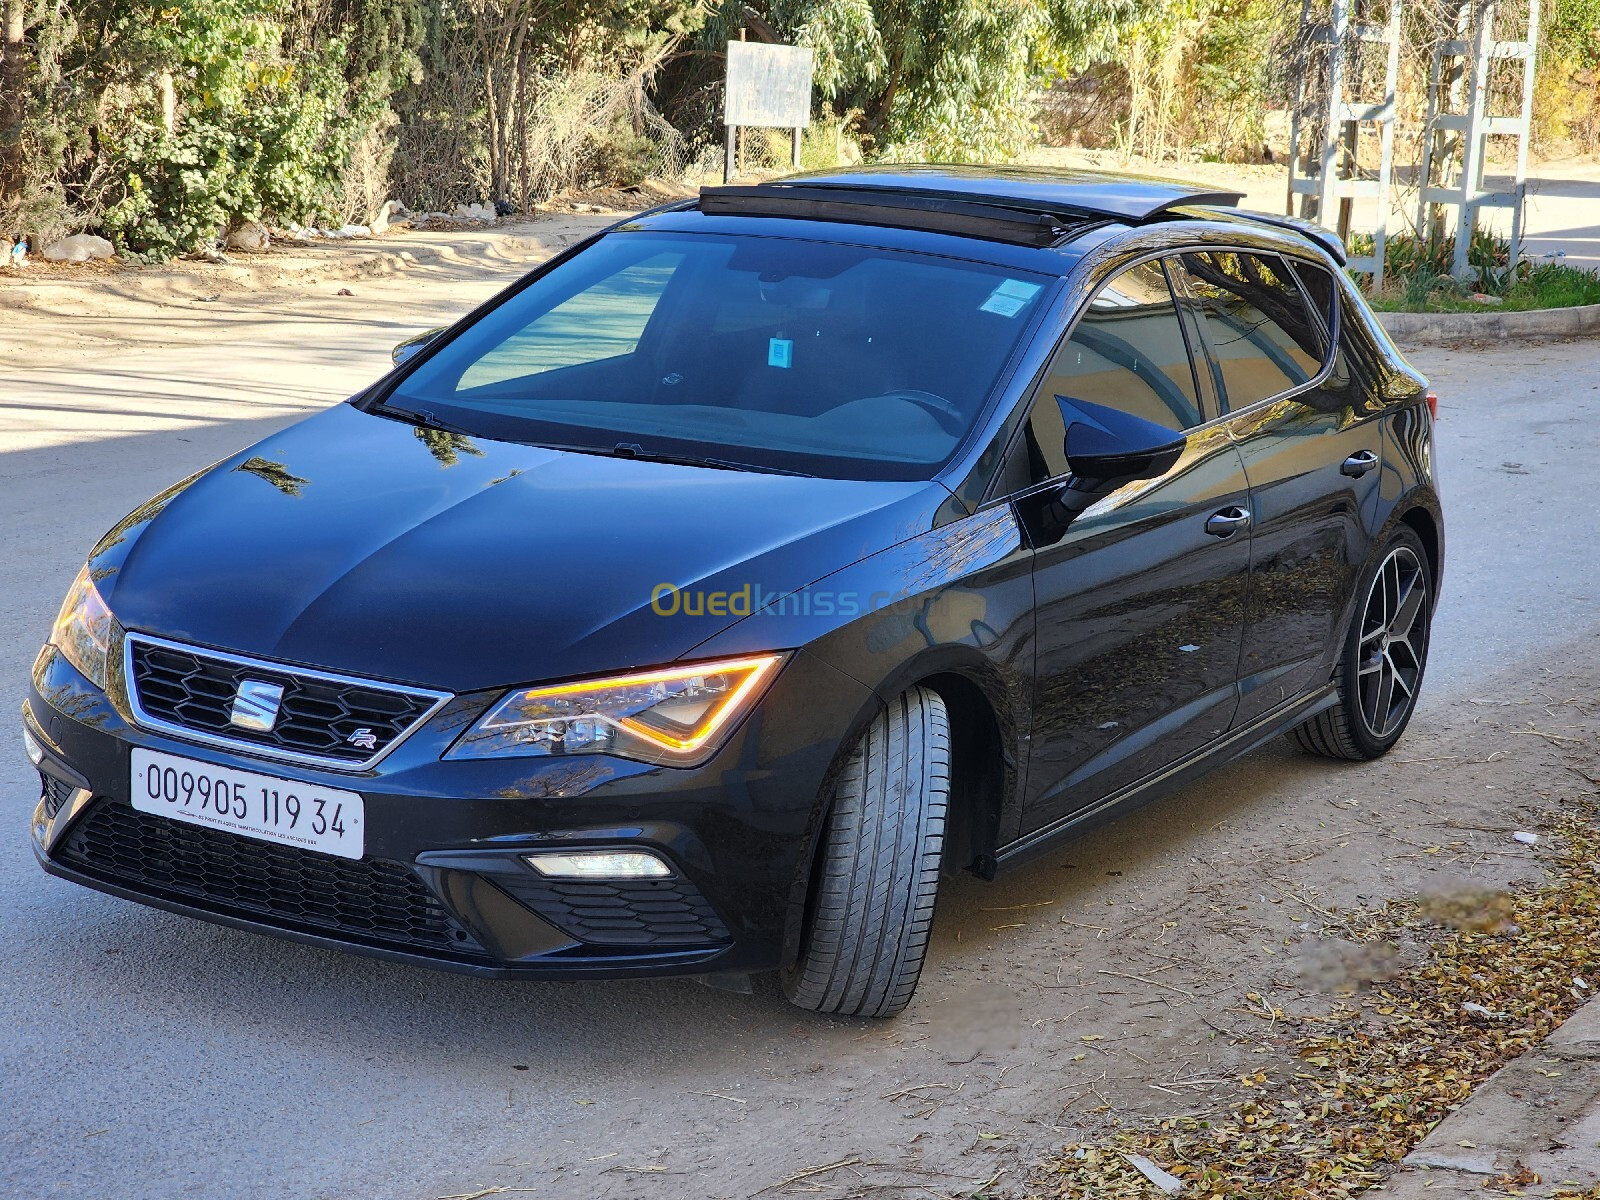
[(1377, 1074)]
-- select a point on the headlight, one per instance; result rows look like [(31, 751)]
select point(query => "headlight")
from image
[(83, 630), (679, 715)]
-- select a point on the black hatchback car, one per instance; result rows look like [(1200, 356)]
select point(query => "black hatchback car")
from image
[(691, 605)]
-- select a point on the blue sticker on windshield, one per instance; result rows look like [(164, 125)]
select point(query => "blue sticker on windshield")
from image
[(780, 352)]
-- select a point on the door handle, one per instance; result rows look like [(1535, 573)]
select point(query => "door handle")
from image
[(1359, 464), (1228, 521)]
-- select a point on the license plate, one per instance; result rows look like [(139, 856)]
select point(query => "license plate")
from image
[(287, 811)]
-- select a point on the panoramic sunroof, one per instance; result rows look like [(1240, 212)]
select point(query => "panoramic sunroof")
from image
[(893, 207)]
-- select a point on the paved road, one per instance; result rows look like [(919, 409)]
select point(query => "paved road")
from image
[(146, 1056), (1563, 213)]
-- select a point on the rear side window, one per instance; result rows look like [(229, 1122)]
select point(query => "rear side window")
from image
[(1258, 328), (1127, 353), (1320, 290)]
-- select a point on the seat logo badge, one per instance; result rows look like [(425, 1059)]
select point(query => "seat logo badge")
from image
[(255, 705), (363, 739)]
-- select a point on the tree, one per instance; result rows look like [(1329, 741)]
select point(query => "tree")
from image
[(13, 97), (939, 79), (536, 81)]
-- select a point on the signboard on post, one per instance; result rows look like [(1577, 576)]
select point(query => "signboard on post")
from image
[(767, 86)]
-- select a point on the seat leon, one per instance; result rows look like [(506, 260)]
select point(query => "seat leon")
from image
[(691, 606)]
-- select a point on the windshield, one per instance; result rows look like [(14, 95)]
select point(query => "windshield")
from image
[(768, 353)]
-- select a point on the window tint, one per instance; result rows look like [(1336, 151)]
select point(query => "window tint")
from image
[(1127, 353), (1260, 333)]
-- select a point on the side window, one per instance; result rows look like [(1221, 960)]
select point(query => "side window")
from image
[(601, 322), (1127, 353), (1320, 290), (1257, 326)]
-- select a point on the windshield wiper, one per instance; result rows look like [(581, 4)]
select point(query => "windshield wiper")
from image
[(634, 450), (421, 417), (426, 419)]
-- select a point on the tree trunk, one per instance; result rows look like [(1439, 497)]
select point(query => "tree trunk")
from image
[(13, 97), (517, 130), (492, 117)]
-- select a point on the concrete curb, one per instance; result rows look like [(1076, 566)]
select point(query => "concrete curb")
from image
[(1451, 327), (1540, 1112)]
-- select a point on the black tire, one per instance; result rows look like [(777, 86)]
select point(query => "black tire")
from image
[(871, 906), (1367, 721)]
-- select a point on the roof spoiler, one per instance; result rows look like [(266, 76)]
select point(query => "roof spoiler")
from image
[(1326, 238)]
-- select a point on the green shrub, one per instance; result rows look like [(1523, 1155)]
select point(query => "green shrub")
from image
[(1417, 276), (620, 157)]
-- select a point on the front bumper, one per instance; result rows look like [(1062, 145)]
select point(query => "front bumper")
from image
[(443, 882)]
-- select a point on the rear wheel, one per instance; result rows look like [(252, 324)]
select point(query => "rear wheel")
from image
[(1386, 649), (871, 908)]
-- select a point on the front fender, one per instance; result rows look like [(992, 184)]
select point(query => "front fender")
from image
[(953, 607)]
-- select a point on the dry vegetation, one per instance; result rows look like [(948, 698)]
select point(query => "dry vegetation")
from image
[(1459, 984)]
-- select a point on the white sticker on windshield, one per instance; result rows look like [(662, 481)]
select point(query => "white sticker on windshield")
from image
[(780, 352), (1009, 298)]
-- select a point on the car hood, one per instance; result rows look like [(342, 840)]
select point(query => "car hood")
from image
[(362, 544)]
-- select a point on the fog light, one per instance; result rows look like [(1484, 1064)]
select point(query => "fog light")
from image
[(31, 744), (599, 864)]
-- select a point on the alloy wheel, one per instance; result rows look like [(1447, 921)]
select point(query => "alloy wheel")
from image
[(1394, 642)]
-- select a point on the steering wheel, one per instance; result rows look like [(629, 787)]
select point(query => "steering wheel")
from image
[(951, 419)]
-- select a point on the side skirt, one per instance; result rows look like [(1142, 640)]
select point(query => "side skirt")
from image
[(1240, 741)]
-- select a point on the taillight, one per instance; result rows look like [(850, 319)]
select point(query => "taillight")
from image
[(1433, 404)]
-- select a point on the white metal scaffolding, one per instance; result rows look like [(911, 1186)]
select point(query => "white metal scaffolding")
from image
[(1330, 115), (1459, 124)]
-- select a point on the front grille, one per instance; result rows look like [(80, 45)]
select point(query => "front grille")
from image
[(321, 718), (371, 901), (644, 912), (54, 792)]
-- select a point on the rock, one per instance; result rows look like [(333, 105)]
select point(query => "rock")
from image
[(380, 223), (252, 235), (80, 247)]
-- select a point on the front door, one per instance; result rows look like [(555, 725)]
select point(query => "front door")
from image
[(1140, 596)]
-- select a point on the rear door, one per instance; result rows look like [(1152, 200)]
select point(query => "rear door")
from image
[(1269, 329), (1139, 596)]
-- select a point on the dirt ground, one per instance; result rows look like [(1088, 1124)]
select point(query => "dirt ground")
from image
[(1111, 981)]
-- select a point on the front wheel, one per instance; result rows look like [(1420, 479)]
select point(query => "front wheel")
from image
[(871, 907), (1385, 651)]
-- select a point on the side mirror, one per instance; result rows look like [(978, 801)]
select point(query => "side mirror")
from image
[(1107, 448), (412, 346)]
